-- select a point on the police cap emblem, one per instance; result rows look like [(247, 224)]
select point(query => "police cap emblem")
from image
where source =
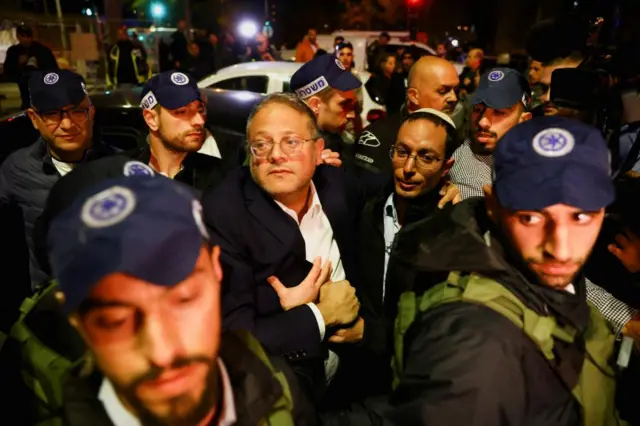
[(108, 207), (553, 142), (496, 76), (51, 78), (136, 168), (179, 78)]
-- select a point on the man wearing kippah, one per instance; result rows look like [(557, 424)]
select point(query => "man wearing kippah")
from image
[(140, 282), (61, 111), (509, 338)]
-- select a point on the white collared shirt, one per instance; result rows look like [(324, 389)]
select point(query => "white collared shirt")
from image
[(319, 242), (120, 416), (391, 228), (210, 147), (61, 167)]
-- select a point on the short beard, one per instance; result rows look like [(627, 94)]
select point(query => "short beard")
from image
[(184, 410), (174, 143)]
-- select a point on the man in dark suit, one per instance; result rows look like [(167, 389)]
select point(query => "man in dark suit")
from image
[(277, 222)]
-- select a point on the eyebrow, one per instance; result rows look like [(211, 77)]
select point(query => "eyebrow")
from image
[(423, 149)]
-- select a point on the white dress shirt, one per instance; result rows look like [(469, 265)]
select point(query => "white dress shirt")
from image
[(120, 416), (391, 228), (319, 242), (210, 147), (62, 168)]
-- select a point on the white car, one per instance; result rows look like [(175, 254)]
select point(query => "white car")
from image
[(271, 77)]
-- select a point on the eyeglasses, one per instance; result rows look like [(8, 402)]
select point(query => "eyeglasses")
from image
[(424, 160), (290, 145), (54, 118)]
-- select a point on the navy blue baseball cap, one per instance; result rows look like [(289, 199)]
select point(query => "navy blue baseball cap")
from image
[(502, 88), (321, 73), (149, 227), (170, 89), (552, 160), (52, 90)]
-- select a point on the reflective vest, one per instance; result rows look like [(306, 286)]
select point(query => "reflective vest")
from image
[(140, 66), (595, 390)]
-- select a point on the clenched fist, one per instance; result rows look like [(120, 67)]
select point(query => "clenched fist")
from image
[(338, 303)]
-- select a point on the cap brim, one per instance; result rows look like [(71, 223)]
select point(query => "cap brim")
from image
[(161, 258), (345, 82), (496, 98), (536, 188)]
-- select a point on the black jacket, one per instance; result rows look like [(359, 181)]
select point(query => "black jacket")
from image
[(258, 240), (201, 172), (466, 364), (255, 390), (26, 177), (377, 343), (372, 150)]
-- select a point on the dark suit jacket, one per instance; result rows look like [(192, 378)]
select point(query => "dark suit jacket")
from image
[(379, 313), (258, 240)]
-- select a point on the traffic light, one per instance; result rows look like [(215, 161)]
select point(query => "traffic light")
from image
[(413, 3)]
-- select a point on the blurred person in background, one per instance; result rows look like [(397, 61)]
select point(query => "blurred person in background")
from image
[(261, 50), (127, 62), (26, 56), (344, 53), (470, 76), (379, 85), (308, 47)]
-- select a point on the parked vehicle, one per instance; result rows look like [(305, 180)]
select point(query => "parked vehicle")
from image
[(269, 77)]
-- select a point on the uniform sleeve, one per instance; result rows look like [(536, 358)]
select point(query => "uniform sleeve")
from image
[(617, 313), (367, 155), (460, 370)]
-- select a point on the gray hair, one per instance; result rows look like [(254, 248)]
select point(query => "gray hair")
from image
[(293, 102)]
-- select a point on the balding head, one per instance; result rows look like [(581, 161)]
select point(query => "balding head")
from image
[(432, 84)]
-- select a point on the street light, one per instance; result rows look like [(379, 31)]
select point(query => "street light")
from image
[(248, 29), (158, 11)]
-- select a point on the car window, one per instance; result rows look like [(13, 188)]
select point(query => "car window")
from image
[(416, 49), (254, 83), (286, 86)]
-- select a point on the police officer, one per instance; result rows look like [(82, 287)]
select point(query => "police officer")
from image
[(127, 62), (510, 332), (175, 113), (329, 89), (141, 284), (501, 101), (63, 114)]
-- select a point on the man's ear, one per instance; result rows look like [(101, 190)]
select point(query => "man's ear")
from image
[(33, 117), (491, 202), (215, 261), (151, 118), (448, 164), (412, 97), (314, 103), (525, 116)]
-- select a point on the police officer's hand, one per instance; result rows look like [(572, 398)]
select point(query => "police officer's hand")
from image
[(450, 194), (306, 291), (627, 250), (338, 303), (352, 334), (330, 158)]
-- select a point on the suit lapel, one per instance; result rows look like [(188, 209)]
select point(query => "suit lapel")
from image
[(273, 219)]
